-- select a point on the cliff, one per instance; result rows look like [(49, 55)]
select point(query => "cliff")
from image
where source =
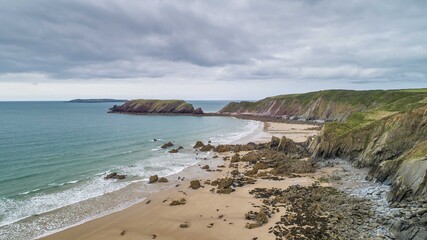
[(330, 105), (383, 130), (395, 147), (145, 106)]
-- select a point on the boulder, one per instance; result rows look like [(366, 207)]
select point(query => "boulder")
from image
[(207, 148), (195, 184), (205, 167), (235, 158), (163, 180), (199, 144), (114, 175), (173, 151), (166, 145), (153, 179)]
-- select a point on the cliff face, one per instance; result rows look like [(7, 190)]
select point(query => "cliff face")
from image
[(142, 106), (331, 105), (395, 147), (383, 130)]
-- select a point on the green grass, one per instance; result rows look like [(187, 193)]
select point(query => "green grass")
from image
[(391, 100)]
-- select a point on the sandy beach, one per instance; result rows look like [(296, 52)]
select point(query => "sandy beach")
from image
[(205, 215)]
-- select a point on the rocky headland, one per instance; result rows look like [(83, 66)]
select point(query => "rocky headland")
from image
[(148, 106), (384, 131)]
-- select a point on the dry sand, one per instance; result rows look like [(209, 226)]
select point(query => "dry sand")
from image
[(296, 132), (208, 215)]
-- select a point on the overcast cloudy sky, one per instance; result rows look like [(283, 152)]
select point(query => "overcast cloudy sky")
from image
[(218, 49)]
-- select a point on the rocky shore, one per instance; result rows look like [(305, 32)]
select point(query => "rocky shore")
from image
[(148, 106), (271, 190)]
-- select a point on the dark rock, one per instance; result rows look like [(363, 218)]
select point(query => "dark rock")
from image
[(235, 158), (166, 145), (153, 179), (274, 143), (114, 175), (163, 180), (184, 225), (182, 201), (173, 151), (207, 148), (195, 184), (199, 144), (205, 167)]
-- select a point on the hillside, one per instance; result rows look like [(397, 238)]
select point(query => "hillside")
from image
[(385, 130), (148, 106), (330, 105)]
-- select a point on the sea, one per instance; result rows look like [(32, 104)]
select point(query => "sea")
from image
[(54, 157)]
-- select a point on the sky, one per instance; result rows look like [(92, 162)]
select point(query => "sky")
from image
[(222, 49)]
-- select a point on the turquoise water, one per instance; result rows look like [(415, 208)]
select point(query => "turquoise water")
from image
[(55, 154)]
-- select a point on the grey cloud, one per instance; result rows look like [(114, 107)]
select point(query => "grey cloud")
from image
[(355, 41)]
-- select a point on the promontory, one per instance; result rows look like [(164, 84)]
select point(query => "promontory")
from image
[(151, 106)]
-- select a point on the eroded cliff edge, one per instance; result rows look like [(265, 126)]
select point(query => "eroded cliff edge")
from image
[(383, 130), (149, 106)]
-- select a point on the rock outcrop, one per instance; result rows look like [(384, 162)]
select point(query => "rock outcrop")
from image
[(394, 146), (146, 106), (385, 130)]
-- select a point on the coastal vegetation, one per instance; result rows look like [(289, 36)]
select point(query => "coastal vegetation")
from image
[(382, 129), (147, 106)]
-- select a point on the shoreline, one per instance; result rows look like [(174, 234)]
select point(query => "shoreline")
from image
[(258, 135), (260, 118)]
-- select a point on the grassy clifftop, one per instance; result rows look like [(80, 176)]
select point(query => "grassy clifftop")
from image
[(331, 105), (156, 106)]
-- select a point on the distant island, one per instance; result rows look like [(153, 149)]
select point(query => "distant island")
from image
[(100, 100), (150, 106)]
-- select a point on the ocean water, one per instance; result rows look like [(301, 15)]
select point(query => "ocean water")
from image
[(54, 155)]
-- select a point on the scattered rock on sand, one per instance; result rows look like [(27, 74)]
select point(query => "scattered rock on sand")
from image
[(205, 167), (235, 158), (166, 145), (153, 179), (182, 201), (195, 184), (184, 225), (163, 180)]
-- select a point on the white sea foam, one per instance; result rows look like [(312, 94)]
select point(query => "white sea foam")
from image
[(245, 130), (13, 210)]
